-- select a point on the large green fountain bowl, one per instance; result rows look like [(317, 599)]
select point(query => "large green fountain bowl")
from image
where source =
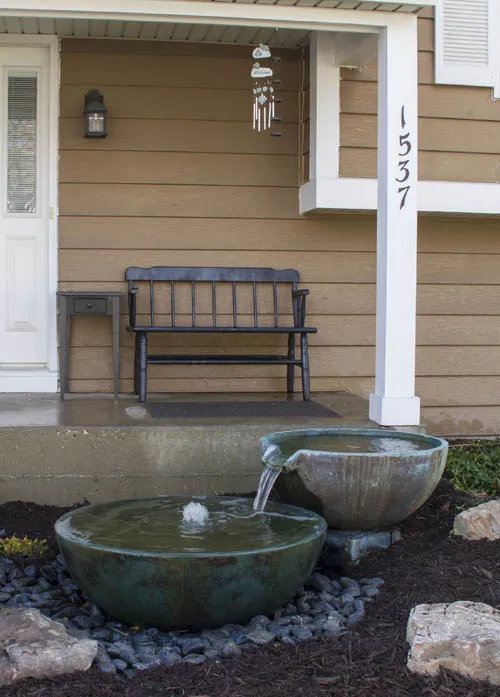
[(140, 563), (358, 479)]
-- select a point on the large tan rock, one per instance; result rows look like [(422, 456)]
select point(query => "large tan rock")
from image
[(462, 636), (480, 522), (32, 645)]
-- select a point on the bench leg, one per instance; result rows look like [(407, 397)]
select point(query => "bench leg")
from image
[(290, 368), (304, 356), (136, 364), (143, 346)]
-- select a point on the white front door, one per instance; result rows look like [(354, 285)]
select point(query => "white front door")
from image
[(24, 209)]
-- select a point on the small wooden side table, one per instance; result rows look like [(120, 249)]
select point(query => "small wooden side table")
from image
[(83, 303)]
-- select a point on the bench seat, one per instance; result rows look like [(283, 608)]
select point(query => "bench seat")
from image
[(159, 286)]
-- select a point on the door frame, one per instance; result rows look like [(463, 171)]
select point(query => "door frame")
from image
[(44, 379)]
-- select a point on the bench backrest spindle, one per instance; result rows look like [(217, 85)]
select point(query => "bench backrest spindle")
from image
[(152, 303), (214, 306), (235, 306), (193, 304), (275, 304), (254, 296), (242, 294), (172, 304), (295, 306)]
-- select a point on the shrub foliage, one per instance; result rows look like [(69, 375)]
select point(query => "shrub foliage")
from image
[(475, 466), (22, 547)]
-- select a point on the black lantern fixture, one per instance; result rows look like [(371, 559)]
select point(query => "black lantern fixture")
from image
[(95, 115)]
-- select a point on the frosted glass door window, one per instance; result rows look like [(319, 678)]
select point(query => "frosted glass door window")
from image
[(22, 145)]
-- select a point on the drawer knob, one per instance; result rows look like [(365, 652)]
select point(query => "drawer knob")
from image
[(89, 305)]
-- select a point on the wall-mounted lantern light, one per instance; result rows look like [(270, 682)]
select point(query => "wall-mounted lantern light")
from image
[(95, 115)]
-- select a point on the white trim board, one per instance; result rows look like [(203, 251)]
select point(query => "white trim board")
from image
[(25, 381), (194, 11), (43, 379), (432, 197)]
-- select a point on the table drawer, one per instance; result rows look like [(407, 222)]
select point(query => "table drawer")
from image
[(89, 306)]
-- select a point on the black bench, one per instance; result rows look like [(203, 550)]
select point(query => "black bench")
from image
[(165, 288)]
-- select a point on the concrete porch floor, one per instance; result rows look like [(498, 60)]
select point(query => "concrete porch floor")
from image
[(89, 446)]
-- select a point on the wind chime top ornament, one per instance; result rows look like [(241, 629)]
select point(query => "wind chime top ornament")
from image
[(264, 97)]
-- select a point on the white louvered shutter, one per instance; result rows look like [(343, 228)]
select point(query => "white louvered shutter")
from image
[(467, 42)]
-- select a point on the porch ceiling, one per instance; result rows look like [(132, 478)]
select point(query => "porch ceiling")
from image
[(162, 31), (209, 33)]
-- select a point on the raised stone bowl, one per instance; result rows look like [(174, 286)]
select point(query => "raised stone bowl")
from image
[(139, 562), (358, 479)]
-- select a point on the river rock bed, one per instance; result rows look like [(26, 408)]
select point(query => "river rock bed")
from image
[(324, 607)]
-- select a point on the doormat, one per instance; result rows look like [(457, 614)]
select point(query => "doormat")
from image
[(239, 410)]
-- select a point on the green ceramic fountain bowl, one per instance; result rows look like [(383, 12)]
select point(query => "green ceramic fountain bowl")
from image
[(131, 560)]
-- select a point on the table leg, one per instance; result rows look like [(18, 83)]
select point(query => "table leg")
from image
[(64, 334), (116, 344)]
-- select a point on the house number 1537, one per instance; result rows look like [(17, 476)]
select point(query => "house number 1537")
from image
[(404, 161)]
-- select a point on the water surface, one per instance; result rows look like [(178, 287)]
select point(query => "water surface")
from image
[(157, 526), (351, 443)]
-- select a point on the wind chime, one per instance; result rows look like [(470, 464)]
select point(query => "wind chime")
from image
[(264, 96)]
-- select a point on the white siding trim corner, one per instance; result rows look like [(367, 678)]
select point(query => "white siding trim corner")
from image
[(432, 197)]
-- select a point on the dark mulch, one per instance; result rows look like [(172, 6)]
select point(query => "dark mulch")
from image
[(426, 566)]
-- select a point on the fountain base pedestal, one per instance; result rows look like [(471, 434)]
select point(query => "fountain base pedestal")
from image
[(347, 547)]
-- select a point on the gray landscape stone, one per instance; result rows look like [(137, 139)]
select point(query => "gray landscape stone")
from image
[(480, 522), (260, 636), (32, 645), (461, 636)]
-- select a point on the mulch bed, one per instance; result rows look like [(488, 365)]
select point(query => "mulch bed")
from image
[(427, 566)]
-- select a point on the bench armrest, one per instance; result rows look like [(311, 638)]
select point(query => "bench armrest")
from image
[(132, 295), (299, 306)]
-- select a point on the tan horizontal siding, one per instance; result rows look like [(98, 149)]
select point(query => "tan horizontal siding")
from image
[(220, 384), (344, 267), (432, 166), (145, 70), (189, 201), (334, 330), (459, 391), (178, 168), (85, 265), (360, 131), (459, 300), (183, 180), (438, 101), (458, 360), (160, 48), (459, 127), (462, 421), (334, 233), (179, 135), (219, 233), (458, 330), (368, 72), (199, 104), (95, 362)]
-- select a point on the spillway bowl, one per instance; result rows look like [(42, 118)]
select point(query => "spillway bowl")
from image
[(358, 479), (140, 563)]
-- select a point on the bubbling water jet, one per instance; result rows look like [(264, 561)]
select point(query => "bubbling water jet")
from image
[(195, 512)]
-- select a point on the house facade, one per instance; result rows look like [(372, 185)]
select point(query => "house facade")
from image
[(388, 155)]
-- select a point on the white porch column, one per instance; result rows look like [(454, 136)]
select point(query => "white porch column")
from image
[(324, 92), (394, 402)]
